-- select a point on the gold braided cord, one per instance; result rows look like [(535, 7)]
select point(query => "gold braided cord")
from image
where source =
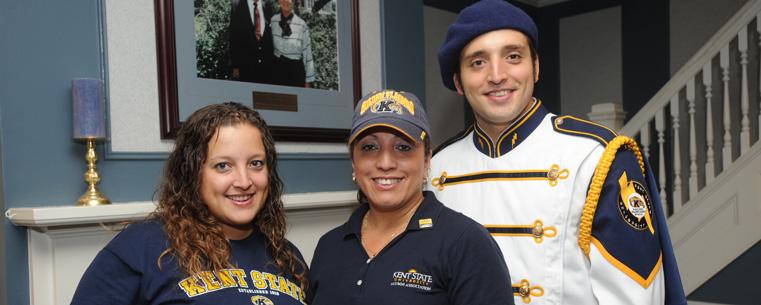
[(601, 172)]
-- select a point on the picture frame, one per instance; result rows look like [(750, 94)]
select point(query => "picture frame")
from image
[(322, 115)]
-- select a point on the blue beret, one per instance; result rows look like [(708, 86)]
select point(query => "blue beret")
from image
[(476, 20)]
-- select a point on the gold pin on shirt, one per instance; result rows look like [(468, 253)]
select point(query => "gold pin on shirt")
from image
[(425, 223)]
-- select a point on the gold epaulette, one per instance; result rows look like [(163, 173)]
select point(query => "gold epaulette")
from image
[(601, 172)]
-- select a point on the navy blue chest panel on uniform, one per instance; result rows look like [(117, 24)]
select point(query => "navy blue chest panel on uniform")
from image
[(551, 175), (537, 231)]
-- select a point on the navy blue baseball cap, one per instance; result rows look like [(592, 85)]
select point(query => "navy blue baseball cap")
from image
[(476, 20), (396, 109)]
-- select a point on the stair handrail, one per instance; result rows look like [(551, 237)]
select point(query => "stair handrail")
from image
[(751, 10)]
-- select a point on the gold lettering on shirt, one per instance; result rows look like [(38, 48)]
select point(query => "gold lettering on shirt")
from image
[(191, 287), (258, 279)]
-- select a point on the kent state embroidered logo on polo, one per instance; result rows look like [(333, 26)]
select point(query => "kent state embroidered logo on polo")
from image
[(412, 279)]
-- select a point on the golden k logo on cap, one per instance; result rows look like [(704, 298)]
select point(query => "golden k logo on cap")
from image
[(396, 109)]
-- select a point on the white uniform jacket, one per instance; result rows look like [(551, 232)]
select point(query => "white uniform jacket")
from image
[(530, 189)]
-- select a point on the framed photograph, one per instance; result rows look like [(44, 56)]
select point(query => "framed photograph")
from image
[(310, 62)]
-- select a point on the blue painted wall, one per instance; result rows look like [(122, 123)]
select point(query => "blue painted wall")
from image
[(43, 46), (404, 58)]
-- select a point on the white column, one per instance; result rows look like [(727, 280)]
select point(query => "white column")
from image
[(611, 115)]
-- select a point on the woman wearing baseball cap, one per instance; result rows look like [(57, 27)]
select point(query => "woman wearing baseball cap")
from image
[(402, 244)]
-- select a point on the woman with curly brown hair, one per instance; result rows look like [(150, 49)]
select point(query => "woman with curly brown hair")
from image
[(218, 232)]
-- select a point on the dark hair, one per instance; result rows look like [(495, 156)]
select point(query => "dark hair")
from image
[(361, 197), (195, 235), (533, 52)]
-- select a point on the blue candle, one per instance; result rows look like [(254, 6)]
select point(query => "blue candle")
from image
[(88, 108)]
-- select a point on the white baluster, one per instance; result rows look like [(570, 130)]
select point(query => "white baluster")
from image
[(707, 82), (644, 139), (742, 45), (659, 127), (693, 139), (726, 151), (677, 158), (758, 29)]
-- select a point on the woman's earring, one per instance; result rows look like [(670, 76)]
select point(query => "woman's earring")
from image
[(425, 180), (353, 179)]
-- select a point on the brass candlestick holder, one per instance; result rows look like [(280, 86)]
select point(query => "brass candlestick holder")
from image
[(92, 196)]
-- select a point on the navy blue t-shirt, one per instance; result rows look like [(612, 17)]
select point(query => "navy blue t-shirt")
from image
[(443, 257), (126, 271)]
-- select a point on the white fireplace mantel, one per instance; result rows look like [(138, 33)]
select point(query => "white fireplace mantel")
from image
[(63, 240), (44, 217)]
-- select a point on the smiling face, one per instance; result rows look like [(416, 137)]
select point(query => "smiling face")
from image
[(497, 77), (389, 168), (286, 6), (234, 182)]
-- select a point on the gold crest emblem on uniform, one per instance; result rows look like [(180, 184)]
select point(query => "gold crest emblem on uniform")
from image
[(635, 201)]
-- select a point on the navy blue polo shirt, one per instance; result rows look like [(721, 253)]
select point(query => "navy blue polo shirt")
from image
[(443, 257)]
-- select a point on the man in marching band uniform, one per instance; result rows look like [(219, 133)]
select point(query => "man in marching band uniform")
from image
[(573, 206)]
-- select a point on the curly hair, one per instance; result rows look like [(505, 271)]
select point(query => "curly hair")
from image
[(196, 236)]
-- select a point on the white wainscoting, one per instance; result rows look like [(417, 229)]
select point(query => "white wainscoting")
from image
[(720, 223), (63, 240)]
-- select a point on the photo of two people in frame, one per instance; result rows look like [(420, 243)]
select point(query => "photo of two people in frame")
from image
[(277, 42)]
